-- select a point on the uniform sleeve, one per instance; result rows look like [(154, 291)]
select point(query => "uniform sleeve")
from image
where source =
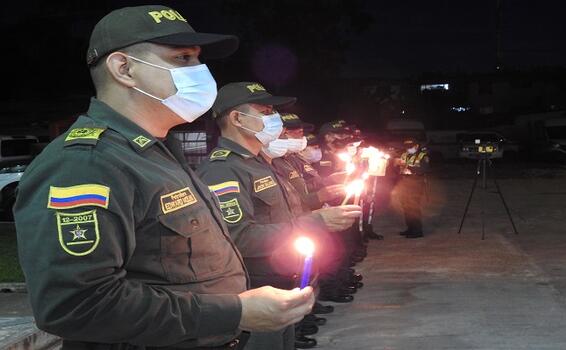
[(253, 239), (311, 200), (76, 232)]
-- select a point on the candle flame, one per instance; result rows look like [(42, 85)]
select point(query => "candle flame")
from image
[(355, 187), (345, 157), (305, 246)]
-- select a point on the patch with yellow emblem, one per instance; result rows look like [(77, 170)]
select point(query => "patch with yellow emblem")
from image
[(177, 200), (141, 141), (308, 168), (78, 232), (87, 136), (220, 154), (231, 211), (264, 183), (293, 174)]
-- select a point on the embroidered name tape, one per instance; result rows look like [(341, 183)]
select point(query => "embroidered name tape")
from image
[(177, 200), (264, 183)]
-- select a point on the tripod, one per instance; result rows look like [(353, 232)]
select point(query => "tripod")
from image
[(481, 169)]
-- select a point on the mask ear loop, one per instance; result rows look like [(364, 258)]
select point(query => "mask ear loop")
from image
[(152, 65), (248, 129)]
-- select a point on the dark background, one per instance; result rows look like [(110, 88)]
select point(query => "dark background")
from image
[(339, 57)]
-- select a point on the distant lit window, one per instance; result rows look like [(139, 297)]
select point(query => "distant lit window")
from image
[(433, 87), (460, 109), (193, 144)]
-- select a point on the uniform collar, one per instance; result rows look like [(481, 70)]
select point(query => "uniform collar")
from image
[(139, 139), (234, 147)]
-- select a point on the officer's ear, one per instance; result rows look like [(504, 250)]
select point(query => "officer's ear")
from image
[(234, 118), (119, 69)]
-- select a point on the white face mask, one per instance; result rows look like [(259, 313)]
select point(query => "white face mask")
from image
[(312, 155), (412, 150), (272, 127), (291, 145), (275, 149), (196, 90)]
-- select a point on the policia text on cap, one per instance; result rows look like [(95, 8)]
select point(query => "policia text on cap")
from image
[(121, 244)]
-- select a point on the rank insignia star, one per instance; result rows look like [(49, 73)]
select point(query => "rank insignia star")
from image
[(78, 233)]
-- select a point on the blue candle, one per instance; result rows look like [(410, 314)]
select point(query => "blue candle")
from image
[(306, 271)]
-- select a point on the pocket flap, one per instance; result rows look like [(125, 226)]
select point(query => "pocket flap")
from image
[(186, 222)]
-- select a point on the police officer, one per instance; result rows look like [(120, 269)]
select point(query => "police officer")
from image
[(299, 171), (121, 244), (254, 200), (331, 137), (337, 283), (413, 165)]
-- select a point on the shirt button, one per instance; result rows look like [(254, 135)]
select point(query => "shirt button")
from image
[(194, 222)]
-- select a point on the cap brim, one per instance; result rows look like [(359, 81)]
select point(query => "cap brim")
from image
[(307, 127), (213, 45), (274, 100)]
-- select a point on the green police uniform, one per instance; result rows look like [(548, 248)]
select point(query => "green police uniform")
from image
[(412, 189), (120, 242), (255, 204), (307, 201), (312, 178)]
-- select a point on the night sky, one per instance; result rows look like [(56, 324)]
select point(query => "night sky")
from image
[(313, 44)]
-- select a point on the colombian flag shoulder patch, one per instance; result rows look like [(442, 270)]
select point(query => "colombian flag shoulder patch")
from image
[(225, 188), (78, 196)]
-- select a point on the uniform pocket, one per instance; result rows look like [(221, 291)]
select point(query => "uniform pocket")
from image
[(265, 206), (189, 244)]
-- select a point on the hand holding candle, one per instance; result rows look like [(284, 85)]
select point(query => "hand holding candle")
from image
[(305, 247)]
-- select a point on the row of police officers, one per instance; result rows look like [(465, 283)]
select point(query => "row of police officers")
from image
[(124, 246)]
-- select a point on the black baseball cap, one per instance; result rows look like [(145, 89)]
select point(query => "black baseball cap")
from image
[(235, 94), (337, 126), (312, 140), (155, 24), (292, 121), (410, 142)]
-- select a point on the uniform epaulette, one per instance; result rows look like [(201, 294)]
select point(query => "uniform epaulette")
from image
[(219, 154), (84, 136)]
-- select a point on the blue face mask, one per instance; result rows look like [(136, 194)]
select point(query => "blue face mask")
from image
[(412, 150), (272, 127)]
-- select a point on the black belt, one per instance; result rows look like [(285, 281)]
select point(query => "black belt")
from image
[(235, 344)]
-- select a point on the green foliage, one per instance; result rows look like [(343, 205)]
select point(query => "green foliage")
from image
[(10, 270)]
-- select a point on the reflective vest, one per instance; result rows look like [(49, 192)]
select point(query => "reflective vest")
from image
[(413, 160)]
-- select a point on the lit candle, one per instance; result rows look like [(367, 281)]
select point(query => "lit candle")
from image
[(354, 188), (305, 246), (345, 157)]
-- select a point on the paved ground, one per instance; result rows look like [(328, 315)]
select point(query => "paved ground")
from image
[(450, 291)]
